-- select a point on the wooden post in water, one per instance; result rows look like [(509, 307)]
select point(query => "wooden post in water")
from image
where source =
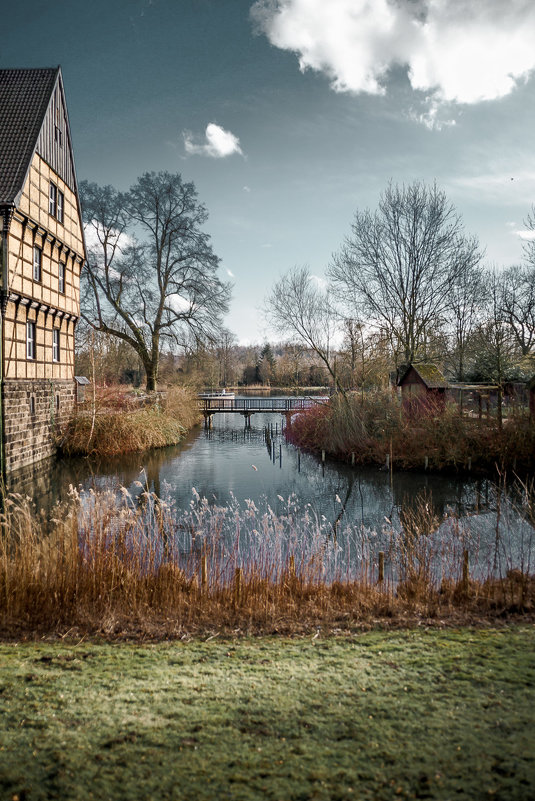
[(298, 462), (426, 462), (280, 455), (237, 585), (323, 456), (352, 459), (381, 576)]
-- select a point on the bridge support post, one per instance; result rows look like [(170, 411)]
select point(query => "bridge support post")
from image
[(208, 420)]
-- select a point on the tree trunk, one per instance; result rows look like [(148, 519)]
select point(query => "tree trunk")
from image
[(151, 371)]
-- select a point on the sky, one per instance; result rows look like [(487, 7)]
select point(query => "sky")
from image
[(289, 115)]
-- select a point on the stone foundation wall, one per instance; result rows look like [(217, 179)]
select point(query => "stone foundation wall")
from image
[(34, 412)]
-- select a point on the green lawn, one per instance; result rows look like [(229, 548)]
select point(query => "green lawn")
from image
[(402, 714)]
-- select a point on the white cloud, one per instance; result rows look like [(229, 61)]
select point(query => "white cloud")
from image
[(94, 236), (455, 51), (526, 235), (230, 273), (319, 281), (218, 143), (432, 116), (178, 304), (246, 189), (511, 185)]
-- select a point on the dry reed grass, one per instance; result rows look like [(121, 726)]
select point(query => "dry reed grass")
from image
[(119, 421), (127, 564)]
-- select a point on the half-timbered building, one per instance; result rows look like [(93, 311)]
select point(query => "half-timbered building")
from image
[(41, 255)]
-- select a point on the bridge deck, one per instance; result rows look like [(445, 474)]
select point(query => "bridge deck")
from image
[(256, 405)]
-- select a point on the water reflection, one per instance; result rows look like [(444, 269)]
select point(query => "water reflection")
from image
[(231, 463), (358, 509)]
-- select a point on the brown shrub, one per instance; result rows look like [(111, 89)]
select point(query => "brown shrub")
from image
[(121, 421)]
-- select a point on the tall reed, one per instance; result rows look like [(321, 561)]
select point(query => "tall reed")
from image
[(120, 562)]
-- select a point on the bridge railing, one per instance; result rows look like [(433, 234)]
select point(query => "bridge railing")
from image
[(258, 404)]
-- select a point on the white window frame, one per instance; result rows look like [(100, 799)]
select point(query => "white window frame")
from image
[(56, 351), (31, 336), (61, 277), (60, 206), (52, 199), (37, 263)]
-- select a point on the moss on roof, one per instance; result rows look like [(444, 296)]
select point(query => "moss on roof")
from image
[(429, 373)]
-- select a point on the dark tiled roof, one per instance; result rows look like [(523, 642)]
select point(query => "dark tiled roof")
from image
[(429, 373), (24, 98)]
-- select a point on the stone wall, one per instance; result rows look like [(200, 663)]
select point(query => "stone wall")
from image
[(34, 412)]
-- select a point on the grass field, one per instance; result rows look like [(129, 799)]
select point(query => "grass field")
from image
[(402, 714)]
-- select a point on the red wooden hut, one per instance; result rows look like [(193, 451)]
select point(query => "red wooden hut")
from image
[(423, 389)]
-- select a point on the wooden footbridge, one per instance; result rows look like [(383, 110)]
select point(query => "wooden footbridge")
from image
[(222, 404)]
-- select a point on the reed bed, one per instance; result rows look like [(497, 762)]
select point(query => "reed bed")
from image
[(126, 563), (119, 421), (371, 428)]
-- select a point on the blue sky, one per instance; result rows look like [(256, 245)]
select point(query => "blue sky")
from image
[(313, 106)]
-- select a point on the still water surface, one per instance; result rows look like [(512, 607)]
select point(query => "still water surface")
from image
[(231, 464)]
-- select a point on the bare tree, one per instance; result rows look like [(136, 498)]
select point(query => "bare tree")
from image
[(300, 308), (466, 310), (365, 357), (291, 365), (518, 305), (495, 347), (529, 244), (152, 273), (225, 348), (399, 264)]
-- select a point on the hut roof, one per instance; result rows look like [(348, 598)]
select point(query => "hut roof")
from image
[(429, 373)]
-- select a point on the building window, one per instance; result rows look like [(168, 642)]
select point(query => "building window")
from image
[(60, 205), (57, 404), (52, 199), (37, 257), (56, 202), (55, 345), (32, 404), (58, 135), (61, 279), (30, 340)]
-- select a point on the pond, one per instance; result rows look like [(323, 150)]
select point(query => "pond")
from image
[(231, 464)]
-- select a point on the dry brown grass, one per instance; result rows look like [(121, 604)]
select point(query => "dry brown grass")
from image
[(115, 564), (119, 421), (368, 428)]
